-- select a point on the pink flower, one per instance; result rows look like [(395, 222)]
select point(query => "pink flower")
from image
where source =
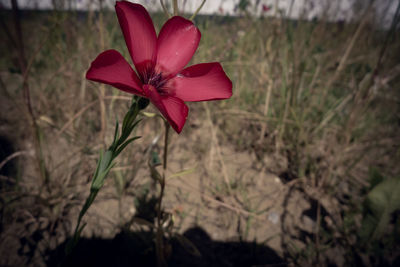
[(159, 63), (266, 8)]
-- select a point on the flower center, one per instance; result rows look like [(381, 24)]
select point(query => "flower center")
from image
[(156, 79)]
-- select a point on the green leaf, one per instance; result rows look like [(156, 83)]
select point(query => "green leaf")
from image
[(182, 173), (155, 159), (99, 181), (128, 120), (74, 240), (153, 162), (115, 134), (98, 166), (154, 173), (149, 114), (380, 203), (130, 116), (119, 150), (375, 177), (126, 132)]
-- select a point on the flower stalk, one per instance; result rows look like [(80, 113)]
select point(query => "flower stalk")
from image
[(106, 161)]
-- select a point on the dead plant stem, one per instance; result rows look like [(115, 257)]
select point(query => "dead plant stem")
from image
[(317, 247), (102, 87), (165, 9), (217, 148), (85, 108), (160, 232), (266, 109), (346, 55), (12, 156), (176, 10), (197, 10)]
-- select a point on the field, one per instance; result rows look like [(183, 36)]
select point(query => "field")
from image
[(299, 167)]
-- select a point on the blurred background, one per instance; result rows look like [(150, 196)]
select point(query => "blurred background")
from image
[(299, 167)]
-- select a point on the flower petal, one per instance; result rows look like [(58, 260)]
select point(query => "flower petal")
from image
[(173, 109), (201, 82), (139, 33), (111, 68), (177, 42)]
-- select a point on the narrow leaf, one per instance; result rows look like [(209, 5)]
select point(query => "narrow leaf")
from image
[(122, 147), (182, 173)]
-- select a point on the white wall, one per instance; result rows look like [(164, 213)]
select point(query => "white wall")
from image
[(332, 9)]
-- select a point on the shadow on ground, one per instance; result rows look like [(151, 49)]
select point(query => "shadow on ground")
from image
[(137, 249)]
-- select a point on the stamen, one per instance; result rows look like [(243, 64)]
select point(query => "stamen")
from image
[(158, 81), (149, 76)]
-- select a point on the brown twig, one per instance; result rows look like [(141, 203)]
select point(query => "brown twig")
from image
[(217, 148), (266, 109), (85, 108), (160, 231), (101, 92), (217, 202), (14, 155), (166, 12)]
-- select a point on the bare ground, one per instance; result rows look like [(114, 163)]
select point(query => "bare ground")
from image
[(227, 192)]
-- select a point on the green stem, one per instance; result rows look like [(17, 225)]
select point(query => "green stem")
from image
[(105, 162), (166, 144)]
